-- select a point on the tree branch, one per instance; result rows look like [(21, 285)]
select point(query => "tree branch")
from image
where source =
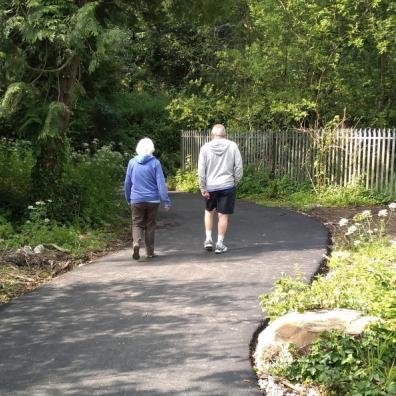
[(56, 70)]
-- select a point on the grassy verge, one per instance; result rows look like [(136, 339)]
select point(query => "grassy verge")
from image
[(65, 248)]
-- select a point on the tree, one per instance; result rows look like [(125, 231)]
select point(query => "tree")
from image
[(48, 50)]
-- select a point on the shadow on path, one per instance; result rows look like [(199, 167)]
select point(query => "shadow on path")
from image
[(177, 325)]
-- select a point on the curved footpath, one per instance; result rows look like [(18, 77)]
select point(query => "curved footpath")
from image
[(179, 324)]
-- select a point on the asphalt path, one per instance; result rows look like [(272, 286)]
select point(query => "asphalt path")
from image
[(179, 324)]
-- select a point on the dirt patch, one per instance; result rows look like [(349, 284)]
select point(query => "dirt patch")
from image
[(22, 271), (331, 216)]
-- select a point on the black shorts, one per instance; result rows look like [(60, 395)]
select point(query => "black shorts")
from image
[(223, 201)]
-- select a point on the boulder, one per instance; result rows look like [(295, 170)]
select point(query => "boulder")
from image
[(302, 329)]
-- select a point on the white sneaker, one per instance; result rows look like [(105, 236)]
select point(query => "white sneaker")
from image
[(220, 248), (208, 245)]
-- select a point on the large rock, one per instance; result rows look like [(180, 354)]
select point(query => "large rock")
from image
[(303, 328)]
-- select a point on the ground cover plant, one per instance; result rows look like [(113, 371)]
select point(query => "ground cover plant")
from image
[(362, 275)]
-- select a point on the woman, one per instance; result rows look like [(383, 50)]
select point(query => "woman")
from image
[(144, 188)]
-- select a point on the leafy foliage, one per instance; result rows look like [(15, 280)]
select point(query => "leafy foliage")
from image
[(361, 280), (16, 163), (347, 365), (185, 180)]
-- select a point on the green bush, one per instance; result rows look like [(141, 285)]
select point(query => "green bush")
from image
[(363, 280), (16, 163), (90, 190), (6, 228), (185, 180), (88, 195), (347, 365), (254, 181), (39, 229), (126, 117), (350, 195)]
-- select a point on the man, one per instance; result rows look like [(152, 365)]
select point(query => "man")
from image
[(220, 170)]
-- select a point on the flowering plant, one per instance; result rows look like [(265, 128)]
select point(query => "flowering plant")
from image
[(362, 230)]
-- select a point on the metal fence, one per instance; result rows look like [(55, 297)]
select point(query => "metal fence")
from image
[(347, 156)]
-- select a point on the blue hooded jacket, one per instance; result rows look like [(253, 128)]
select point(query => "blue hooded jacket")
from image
[(145, 181)]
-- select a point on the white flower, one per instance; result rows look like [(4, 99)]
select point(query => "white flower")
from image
[(343, 222), (357, 242), (329, 275), (30, 207), (366, 214), (340, 254), (49, 200), (28, 222), (47, 220), (351, 230), (392, 206), (38, 203), (383, 213), (375, 230)]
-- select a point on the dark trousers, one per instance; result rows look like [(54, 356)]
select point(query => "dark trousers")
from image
[(144, 216)]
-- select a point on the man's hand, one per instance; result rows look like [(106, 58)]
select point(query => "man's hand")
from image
[(205, 194)]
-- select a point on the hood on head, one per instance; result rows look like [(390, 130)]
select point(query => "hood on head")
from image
[(142, 159), (219, 146)]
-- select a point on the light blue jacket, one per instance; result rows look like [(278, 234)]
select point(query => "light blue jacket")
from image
[(145, 181)]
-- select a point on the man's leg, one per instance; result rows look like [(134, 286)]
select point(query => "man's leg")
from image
[(208, 229), (209, 221), (226, 204), (222, 227), (221, 231)]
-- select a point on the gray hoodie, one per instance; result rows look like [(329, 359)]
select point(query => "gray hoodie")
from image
[(219, 165)]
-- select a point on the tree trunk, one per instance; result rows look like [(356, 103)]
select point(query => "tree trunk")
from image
[(52, 143)]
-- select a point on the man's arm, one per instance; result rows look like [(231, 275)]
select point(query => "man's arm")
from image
[(202, 170), (238, 166)]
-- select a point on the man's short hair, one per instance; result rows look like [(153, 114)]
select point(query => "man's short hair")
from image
[(145, 147), (218, 130)]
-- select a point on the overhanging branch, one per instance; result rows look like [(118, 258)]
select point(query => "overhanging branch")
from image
[(56, 70)]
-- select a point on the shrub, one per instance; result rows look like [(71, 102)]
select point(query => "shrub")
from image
[(6, 228), (185, 179), (361, 278), (90, 190), (364, 229), (39, 229), (254, 181), (16, 163), (350, 195), (347, 365)]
